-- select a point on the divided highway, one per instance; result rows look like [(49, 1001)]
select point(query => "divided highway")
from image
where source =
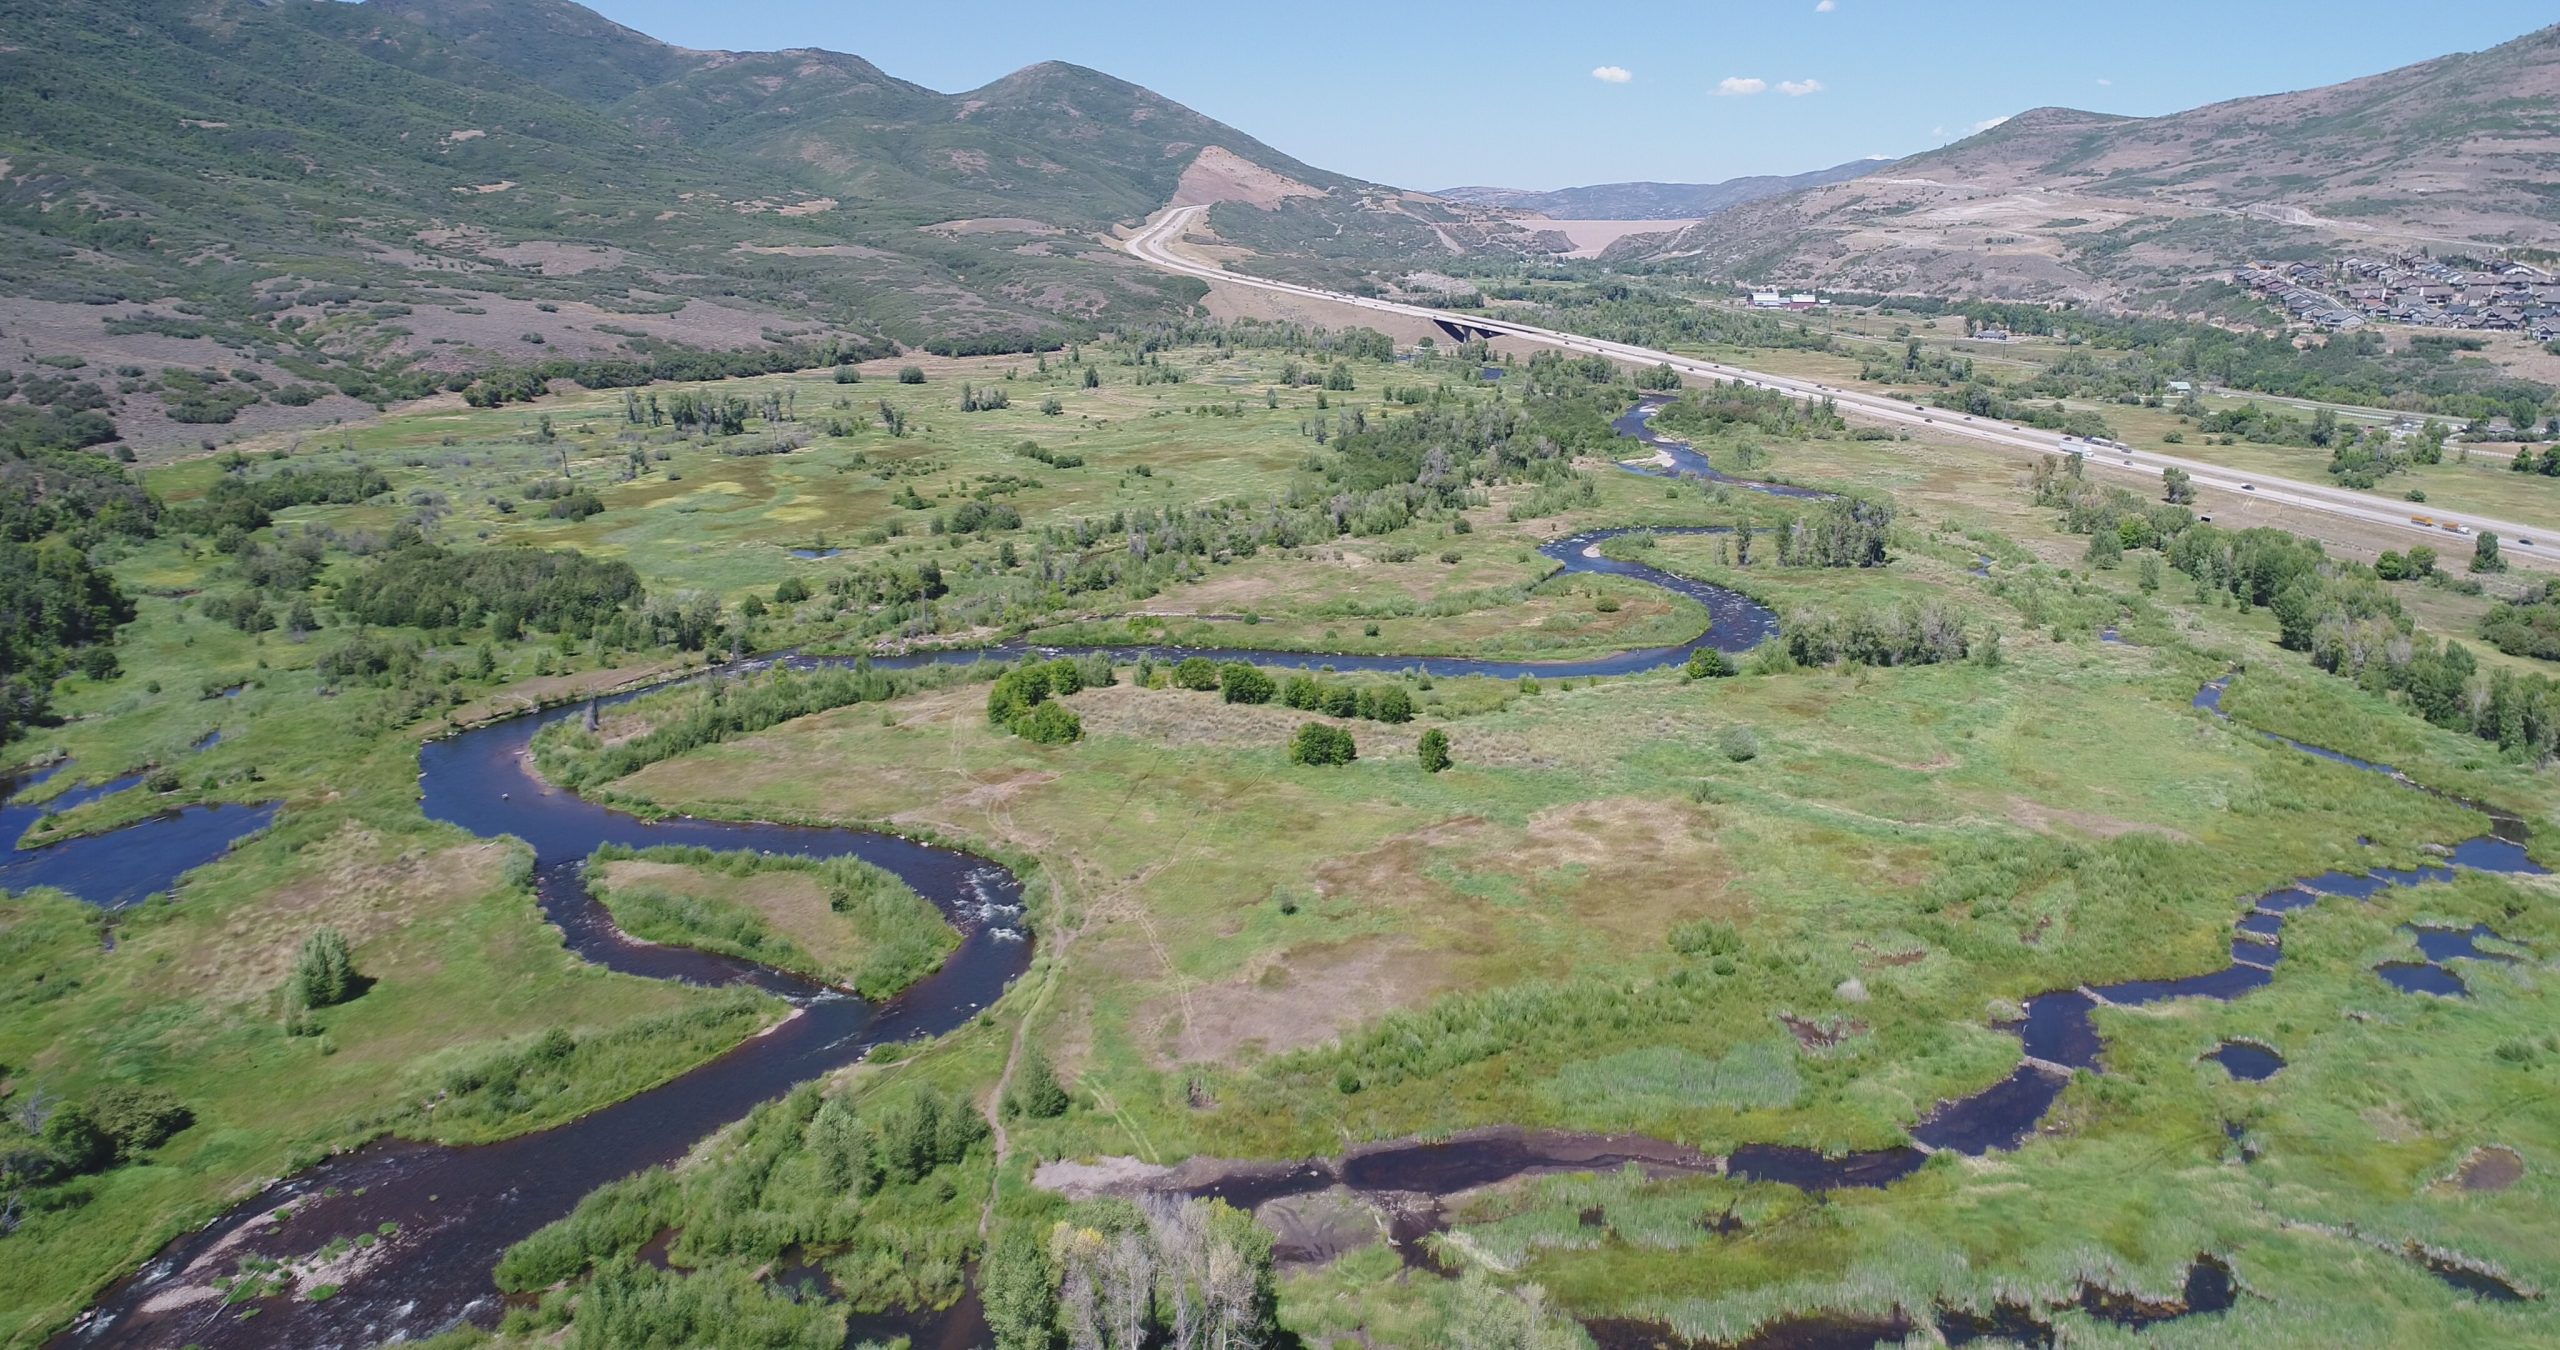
[(1155, 245)]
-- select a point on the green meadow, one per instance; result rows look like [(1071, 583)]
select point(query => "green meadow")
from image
[(1792, 905)]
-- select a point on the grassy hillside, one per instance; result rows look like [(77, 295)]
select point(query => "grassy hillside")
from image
[(2060, 203), (353, 204)]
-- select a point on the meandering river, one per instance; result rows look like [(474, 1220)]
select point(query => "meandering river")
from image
[(458, 1208)]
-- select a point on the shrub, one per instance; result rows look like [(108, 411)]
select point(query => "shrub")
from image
[(1705, 937), (1386, 703), (1242, 683), (1433, 750), (78, 1145), (910, 375), (1706, 663), (1195, 672), (1016, 692), (1739, 743), (1050, 724), (1322, 743), (138, 1119)]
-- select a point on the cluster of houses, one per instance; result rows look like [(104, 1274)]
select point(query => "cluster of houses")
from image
[(1800, 302), (2414, 289)]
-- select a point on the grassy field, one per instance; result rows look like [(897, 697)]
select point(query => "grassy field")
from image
[(1612, 913), (841, 920), (1909, 852)]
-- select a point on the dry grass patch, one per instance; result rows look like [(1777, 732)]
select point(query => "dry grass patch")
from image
[(1182, 717), (1290, 999), (347, 881), (1632, 865)]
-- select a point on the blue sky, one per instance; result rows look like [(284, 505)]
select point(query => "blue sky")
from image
[(1359, 87)]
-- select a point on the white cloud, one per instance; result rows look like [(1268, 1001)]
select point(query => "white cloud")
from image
[(1613, 74), (1741, 85), (1939, 132), (1988, 123), (2105, 83), (1799, 88), (1826, 6)]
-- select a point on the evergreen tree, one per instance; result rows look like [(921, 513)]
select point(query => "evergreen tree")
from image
[(1036, 1090), (1433, 750), (323, 973)]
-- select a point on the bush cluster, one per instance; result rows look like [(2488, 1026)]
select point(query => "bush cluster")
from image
[(1322, 743), (1376, 702), (1019, 700)]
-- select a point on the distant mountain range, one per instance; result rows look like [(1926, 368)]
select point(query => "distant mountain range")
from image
[(1655, 201), (326, 195), (304, 206), (2461, 152)]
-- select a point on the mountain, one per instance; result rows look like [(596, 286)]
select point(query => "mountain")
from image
[(1654, 201), (348, 203), (2461, 151)]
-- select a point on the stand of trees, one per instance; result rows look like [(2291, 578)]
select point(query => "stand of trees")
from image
[(509, 589), (58, 612), (1181, 1274)]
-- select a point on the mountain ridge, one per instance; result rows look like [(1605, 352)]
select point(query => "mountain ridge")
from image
[(1652, 200), (354, 203), (2069, 204)]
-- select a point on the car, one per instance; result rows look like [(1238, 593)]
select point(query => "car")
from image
[(2248, 487), (2524, 542)]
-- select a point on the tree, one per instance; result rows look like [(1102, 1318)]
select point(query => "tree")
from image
[(2422, 561), (910, 375), (791, 592), (2484, 554), (1242, 683), (323, 972), (1322, 743), (1092, 378), (2178, 487), (1019, 1290), (1433, 750), (1036, 1090), (1051, 406)]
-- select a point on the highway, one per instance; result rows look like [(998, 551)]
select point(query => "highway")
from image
[(1155, 245)]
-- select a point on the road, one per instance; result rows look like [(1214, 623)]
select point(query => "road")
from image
[(1155, 245)]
